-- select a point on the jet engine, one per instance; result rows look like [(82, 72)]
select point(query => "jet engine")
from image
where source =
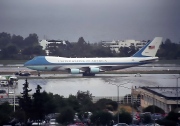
[(75, 71), (95, 70)]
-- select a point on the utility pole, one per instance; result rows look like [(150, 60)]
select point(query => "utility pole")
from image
[(118, 101), (118, 85), (177, 91), (153, 110)]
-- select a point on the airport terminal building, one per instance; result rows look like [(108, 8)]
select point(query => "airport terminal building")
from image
[(166, 98)]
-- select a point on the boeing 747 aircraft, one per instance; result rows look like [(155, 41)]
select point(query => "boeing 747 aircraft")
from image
[(91, 66)]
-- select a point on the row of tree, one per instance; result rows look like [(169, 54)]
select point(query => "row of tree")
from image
[(41, 104), (17, 47)]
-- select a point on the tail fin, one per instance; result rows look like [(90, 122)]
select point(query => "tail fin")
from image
[(150, 49)]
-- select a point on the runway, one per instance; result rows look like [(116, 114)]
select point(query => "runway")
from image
[(101, 85)]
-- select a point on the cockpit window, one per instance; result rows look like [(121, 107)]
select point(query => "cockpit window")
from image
[(34, 58)]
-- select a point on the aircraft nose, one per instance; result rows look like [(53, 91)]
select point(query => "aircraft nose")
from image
[(27, 63)]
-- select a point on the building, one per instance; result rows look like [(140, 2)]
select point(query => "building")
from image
[(47, 44), (116, 45), (165, 98), (113, 98), (8, 97), (127, 99)]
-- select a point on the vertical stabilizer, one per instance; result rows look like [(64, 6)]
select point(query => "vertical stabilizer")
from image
[(150, 49)]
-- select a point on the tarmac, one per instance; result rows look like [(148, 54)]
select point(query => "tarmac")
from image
[(34, 74)]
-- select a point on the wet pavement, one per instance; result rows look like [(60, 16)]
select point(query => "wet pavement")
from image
[(101, 85)]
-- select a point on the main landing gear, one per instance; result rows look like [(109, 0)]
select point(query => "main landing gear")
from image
[(39, 74), (88, 74)]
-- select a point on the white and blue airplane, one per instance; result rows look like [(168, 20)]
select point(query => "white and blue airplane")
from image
[(92, 66)]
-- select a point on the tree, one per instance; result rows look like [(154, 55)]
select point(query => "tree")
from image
[(85, 100), (66, 116), (37, 105), (101, 104), (12, 50), (124, 52), (49, 105), (101, 118), (18, 41), (5, 39), (31, 40), (4, 53), (60, 102), (81, 41), (9, 52), (74, 103), (146, 119), (6, 112), (124, 117), (25, 102), (28, 51), (20, 115), (37, 50), (84, 97), (168, 42), (132, 51), (170, 120), (169, 50), (99, 51), (153, 109), (114, 104), (80, 48), (105, 104), (173, 116)]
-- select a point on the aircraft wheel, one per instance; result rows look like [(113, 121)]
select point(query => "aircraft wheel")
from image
[(88, 74), (39, 74)]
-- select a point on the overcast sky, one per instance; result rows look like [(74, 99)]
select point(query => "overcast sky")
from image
[(95, 20)]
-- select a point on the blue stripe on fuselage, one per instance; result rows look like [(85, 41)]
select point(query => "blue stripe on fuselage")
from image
[(40, 60)]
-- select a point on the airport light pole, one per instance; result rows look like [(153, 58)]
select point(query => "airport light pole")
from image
[(153, 110), (14, 99), (177, 90), (118, 85)]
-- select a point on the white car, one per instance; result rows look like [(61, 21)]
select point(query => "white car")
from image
[(40, 123), (121, 124), (152, 124), (52, 122)]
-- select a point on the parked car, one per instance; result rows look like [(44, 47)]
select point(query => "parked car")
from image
[(156, 116), (3, 93), (38, 123), (152, 124), (121, 124), (52, 122), (76, 124), (14, 122)]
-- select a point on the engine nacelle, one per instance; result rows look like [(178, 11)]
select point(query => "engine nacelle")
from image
[(94, 70), (75, 71)]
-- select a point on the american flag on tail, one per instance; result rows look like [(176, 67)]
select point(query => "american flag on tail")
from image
[(151, 47)]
